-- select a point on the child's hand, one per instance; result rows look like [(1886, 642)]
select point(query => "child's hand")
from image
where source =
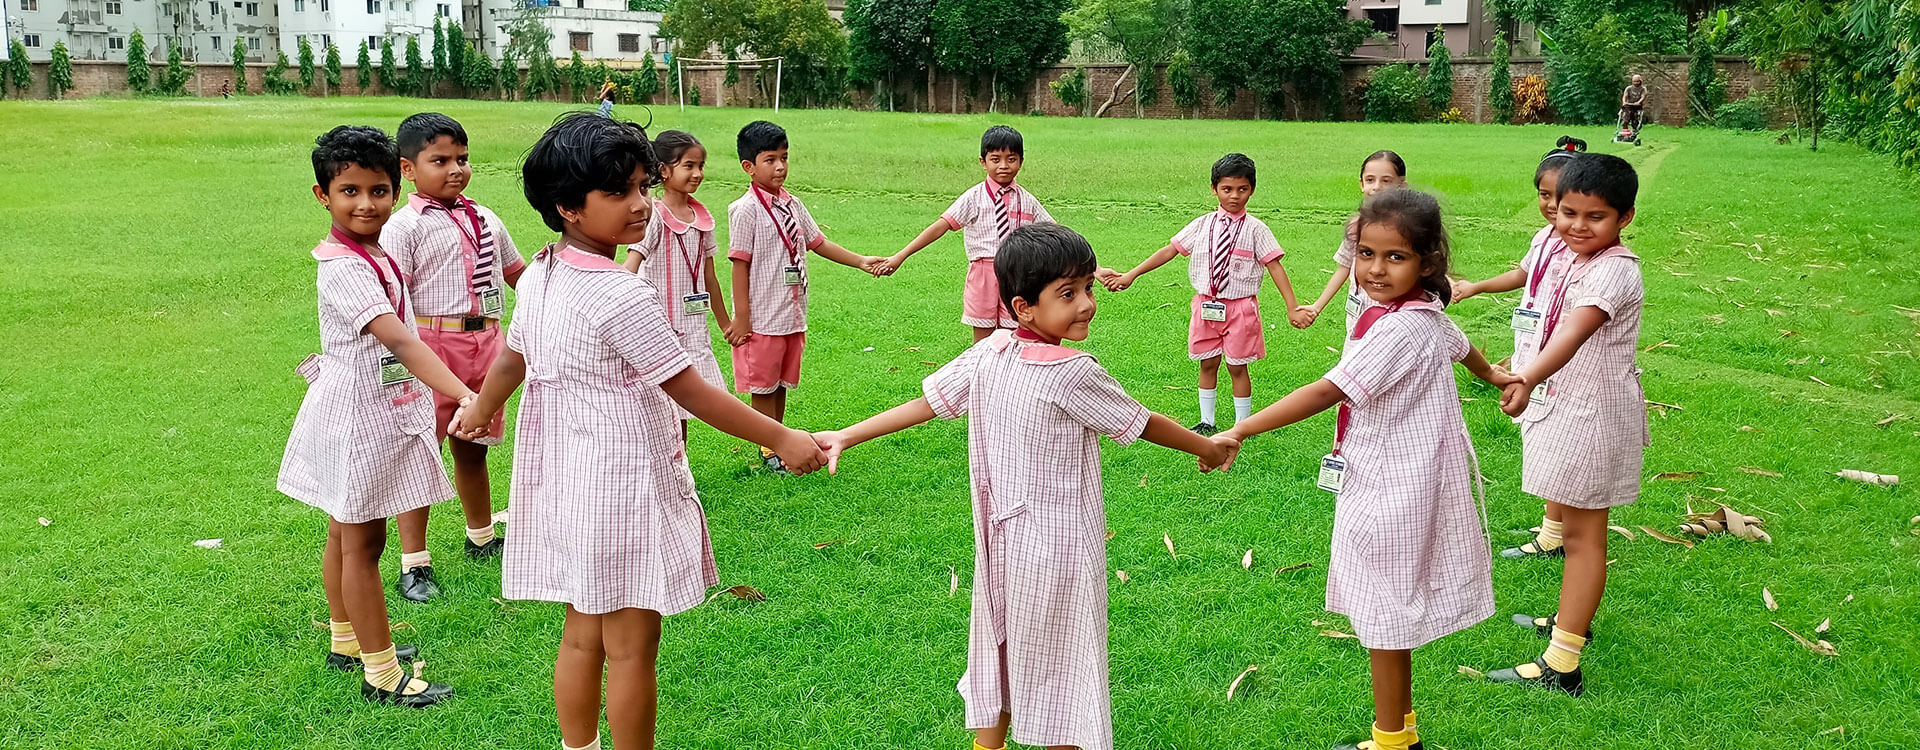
[(799, 453), (1300, 318), (875, 265), (468, 423), (832, 443), (884, 266), (738, 333), (1514, 398), (1464, 290), (1118, 282), (1225, 449)]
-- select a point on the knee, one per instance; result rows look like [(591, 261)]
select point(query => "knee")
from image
[(1239, 372)]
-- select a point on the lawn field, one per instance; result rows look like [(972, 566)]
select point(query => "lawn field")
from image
[(159, 292)]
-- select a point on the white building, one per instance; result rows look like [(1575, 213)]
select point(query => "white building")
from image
[(597, 29), (347, 23), (99, 29)]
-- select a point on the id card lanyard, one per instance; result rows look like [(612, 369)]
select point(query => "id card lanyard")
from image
[(391, 371), (696, 302), (1526, 319), (793, 251), (1333, 467), (1212, 228)]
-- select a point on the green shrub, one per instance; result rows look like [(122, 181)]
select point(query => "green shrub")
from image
[(59, 71), (1394, 94), (1500, 81), (1439, 73), (139, 73), (1071, 90), (1586, 69), (1184, 82), (1746, 114)]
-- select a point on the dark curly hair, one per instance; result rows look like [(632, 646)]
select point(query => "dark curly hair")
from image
[(583, 152), (350, 145), (1234, 165), (1416, 216)]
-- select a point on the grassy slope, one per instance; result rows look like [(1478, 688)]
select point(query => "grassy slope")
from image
[(159, 293)]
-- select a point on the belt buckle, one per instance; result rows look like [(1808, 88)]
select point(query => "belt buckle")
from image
[(470, 325)]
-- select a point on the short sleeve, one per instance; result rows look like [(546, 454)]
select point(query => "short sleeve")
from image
[(1455, 341), (709, 244), (739, 232), (635, 327), (963, 211), (513, 338), (397, 239), (1613, 284), (1191, 236), (650, 242), (1040, 212), (1094, 399), (1370, 366), (808, 227), (949, 390), (350, 291), (503, 246), (1344, 255), (1265, 248)]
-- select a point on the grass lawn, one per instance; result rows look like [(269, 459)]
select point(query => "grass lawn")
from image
[(159, 293)]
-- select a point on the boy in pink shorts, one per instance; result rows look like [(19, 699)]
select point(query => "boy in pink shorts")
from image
[(1229, 251), (985, 215), (458, 261), (769, 234)]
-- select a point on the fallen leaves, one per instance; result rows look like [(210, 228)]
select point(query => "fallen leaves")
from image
[(1824, 626), (1891, 418), (1471, 672), (1760, 472), (1622, 530), (1291, 568), (1168, 538), (1331, 633), (1236, 681), (208, 544), (1817, 380), (1664, 344), (1678, 476), (1883, 480), (1143, 480), (1766, 597), (1246, 561), (1122, 575), (1729, 521), (742, 592), (1110, 533), (1663, 536), (45, 522), (824, 545), (1820, 647), (953, 581)]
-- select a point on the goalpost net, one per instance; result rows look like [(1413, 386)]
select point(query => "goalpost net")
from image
[(680, 72)]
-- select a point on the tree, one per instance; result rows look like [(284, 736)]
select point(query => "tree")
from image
[(579, 78), (239, 65), (812, 44), (276, 81), (704, 25), (59, 71), (1439, 72), (673, 81), (1269, 45), (175, 80), (138, 71), (476, 70), (439, 50), (417, 79), (890, 40), (528, 39), (1586, 69), (1071, 90), (363, 68), (306, 64), (458, 49), (1500, 81), (19, 70), (1183, 81), (331, 71), (647, 82), (1146, 32), (389, 77), (999, 39)]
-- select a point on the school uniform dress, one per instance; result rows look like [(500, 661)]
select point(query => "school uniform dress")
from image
[(985, 215), (1227, 259), (1584, 448), (455, 259), (1544, 252), (360, 451), (604, 511), (1410, 559), (1357, 301), (674, 258), (1035, 414), (774, 233)]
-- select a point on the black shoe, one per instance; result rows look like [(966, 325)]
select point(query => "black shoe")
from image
[(486, 551), (775, 466), (1368, 743), (1544, 631), (416, 585), (1532, 549), (434, 693), (1568, 682), (345, 663), (1206, 429)]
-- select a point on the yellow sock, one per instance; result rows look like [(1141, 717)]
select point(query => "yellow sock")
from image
[(978, 746), (344, 642), (383, 670), (1549, 538), (1401, 740), (481, 536), (1563, 653), (1409, 719)]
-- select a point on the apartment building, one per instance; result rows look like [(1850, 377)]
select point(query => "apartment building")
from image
[(99, 29)]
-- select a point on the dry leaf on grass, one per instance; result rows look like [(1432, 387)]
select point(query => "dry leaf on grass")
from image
[(402, 625), (1822, 648), (1623, 532), (419, 667), (497, 600), (45, 522), (207, 544), (1662, 345), (1883, 480), (1331, 633), (1749, 428), (1663, 536), (1291, 568), (1760, 472), (824, 545), (1110, 533), (1236, 680), (929, 364), (1246, 561), (1824, 626), (1165, 537), (1677, 476), (1143, 480), (1817, 380), (1122, 575), (1471, 672), (742, 592), (953, 581), (1766, 595), (1842, 730), (501, 517), (1891, 418), (1726, 520)]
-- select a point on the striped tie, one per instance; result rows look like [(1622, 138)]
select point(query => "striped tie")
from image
[(1222, 250), (1002, 221), (787, 224)]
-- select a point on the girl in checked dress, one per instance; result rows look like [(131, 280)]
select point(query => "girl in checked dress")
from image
[(1410, 561), (605, 516)]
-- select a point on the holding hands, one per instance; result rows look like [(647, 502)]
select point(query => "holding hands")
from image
[(468, 423), (1225, 448), (878, 266), (1113, 280)]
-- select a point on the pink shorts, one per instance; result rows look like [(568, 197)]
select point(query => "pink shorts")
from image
[(468, 354), (980, 304), (1239, 337), (768, 363)]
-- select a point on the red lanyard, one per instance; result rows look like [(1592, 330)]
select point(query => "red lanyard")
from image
[(1212, 226), (342, 238), (1368, 317), (1542, 262), (793, 254), (1575, 270), (472, 216)]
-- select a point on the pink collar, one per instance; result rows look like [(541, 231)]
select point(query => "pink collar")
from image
[(1236, 217), (419, 202), (702, 220), (1033, 349), (781, 197), (582, 259), (994, 188), (328, 249)]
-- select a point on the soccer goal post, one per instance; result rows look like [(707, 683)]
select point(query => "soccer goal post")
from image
[(680, 72)]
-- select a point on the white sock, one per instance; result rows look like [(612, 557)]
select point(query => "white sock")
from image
[(1242, 408), (481, 535), (594, 745), (411, 560), (1208, 397)]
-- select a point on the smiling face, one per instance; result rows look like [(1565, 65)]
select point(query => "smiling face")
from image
[(1233, 193), (440, 171), (685, 175), (1385, 264), (1588, 224), (360, 200), (768, 169), (1002, 166), (1378, 175), (1063, 312), (1549, 182), (606, 219)]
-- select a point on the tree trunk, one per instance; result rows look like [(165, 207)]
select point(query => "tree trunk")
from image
[(1113, 94), (1139, 109), (993, 92), (930, 100), (955, 95)]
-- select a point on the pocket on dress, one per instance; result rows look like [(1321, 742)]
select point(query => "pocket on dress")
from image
[(309, 369), (412, 407)]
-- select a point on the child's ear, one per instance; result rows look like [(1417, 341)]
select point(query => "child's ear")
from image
[(746, 166), (320, 194), (1022, 311), (1626, 218), (406, 170)]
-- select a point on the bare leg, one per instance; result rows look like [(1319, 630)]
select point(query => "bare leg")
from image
[(576, 679), (1392, 688), (631, 640), (995, 736), (330, 576), (359, 582), (765, 403), (780, 406), (1242, 383), (413, 530), (470, 480), (1585, 576), (1209, 374)]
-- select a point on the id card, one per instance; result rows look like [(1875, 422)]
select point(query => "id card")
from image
[(392, 372), (492, 302), (1333, 473), (1213, 311), (1353, 305), (793, 275), (1526, 321), (695, 304), (1542, 395)]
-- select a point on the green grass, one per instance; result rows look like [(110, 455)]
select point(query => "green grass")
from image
[(159, 292)]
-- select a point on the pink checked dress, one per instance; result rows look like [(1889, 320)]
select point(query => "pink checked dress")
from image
[(1584, 449), (1035, 413), (359, 450), (604, 512), (1410, 556), (1540, 265), (1356, 301), (674, 259)]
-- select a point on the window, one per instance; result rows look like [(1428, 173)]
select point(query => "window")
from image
[(166, 9), (213, 8), (113, 8), (237, 4), (580, 40), (253, 42), (30, 5), (31, 40), (445, 10), (373, 44), (629, 42), (661, 45), (373, 7), (216, 44), (299, 6), (253, 9), (1433, 35), (323, 6), (579, 3), (116, 42), (326, 40), (1385, 20)]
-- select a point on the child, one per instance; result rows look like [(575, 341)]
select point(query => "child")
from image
[(605, 515), (677, 254), (768, 235), (985, 215), (1229, 249), (1582, 436), (1382, 170), (1541, 253), (362, 447), (458, 261), (1410, 561), (1037, 645)]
